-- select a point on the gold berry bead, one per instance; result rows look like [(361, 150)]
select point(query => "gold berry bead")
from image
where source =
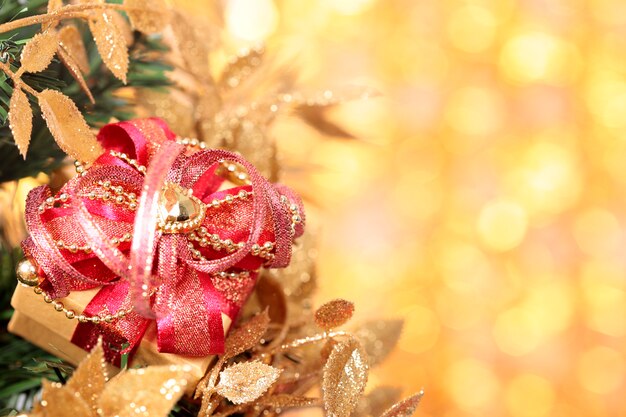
[(70, 314), (27, 273)]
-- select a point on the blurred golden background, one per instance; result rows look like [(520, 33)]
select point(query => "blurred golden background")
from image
[(483, 202)]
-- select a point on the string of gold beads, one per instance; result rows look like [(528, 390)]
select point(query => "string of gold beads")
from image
[(71, 314), (230, 198), (296, 217), (129, 160), (127, 237), (193, 142), (205, 239), (50, 202), (80, 167), (114, 193), (236, 173)]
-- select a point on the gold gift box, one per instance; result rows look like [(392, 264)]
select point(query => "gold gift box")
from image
[(38, 322)]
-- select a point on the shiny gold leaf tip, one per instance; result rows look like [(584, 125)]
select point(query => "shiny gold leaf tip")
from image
[(334, 313), (20, 120), (247, 335), (38, 52), (404, 408), (110, 42), (71, 42), (344, 378), (246, 381), (68, 127), (147, 16)]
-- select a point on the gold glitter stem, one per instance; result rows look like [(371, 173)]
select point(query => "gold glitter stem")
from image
[(67, 12), (16, 79), (309, 340)]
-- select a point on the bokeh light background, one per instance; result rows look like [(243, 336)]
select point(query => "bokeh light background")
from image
[(484, 202)]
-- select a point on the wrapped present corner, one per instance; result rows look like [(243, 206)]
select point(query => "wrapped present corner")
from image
[(39, 322), (153, 247)]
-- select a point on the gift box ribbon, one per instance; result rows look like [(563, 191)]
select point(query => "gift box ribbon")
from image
[(155, 275)]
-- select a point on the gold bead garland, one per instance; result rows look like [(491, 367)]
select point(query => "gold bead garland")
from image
[(71, 314)]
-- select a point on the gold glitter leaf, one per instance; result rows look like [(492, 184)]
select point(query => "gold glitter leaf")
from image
[(150, 392), (38, 52), (379, 337), (334, 313), (61, 402), (377, 401), (54, 5), (192, 46), (404, 408), (68, 127), (246, 381), (71, 42), (147, 16), (241, 67), (247, 335), (287, 400), (73, 68), (344, 378), (89, 377), (110, 42), (20, 120), (124, 26)]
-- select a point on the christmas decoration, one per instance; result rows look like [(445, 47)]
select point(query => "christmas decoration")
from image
[(89, 392), (149, 222), (160, 229)]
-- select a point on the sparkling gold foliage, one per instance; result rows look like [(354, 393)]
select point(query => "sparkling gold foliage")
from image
[(68, 126), (111, 43), (344, 379), (72, 43), (333, 314), (150, 392), (38, 52), (246, 381), (404, 408), (112, 36), (20, 120)]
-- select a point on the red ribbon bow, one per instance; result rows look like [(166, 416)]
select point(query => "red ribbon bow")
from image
[(106, 228)]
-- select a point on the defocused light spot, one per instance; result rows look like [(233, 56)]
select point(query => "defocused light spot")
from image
[(475, 111), (604, 298), (471, 384), (548, 180), (459, 311), (502, 225), (251, 20), (472, 28), (529, 395), (350, 7), (601, 370), (598, 233), (518, 331), (553, 302), (421, 330), (456, 259), (537, 56)]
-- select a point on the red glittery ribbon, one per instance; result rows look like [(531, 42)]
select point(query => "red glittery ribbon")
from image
[(155, 277)]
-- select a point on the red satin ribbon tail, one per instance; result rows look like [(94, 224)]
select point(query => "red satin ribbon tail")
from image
[(189, 317), (121, 336)]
